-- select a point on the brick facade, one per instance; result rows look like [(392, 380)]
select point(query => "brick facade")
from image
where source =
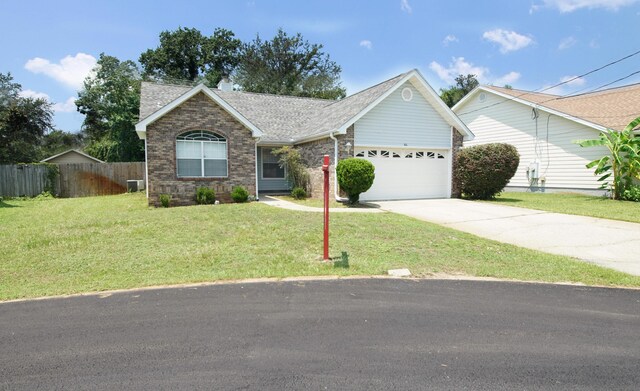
[(312, 153), (198, 113), (456, 145)]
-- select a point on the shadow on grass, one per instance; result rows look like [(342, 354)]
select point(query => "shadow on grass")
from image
[(506, 200), (5, 205)]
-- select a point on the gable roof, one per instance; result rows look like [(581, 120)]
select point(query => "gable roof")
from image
[(71, 151), (288, 119), (613, 108)]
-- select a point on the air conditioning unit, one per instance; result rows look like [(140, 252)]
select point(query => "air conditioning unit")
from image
[(134, 185)]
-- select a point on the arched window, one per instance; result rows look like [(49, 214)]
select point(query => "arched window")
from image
[(201, 154)]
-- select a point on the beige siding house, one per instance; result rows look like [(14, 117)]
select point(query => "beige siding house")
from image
[(71, 156), (544, 128)]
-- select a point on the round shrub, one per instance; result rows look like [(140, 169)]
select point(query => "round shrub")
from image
[(482, 171), (165, 200), (205, 196), (239, 194), (298, 193), (355, 176)]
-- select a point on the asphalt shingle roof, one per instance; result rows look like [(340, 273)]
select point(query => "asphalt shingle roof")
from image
[(281, 118), (612, 108)]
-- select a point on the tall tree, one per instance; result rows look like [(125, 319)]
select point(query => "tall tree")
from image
[(23, 123), (187, 54), (110, 101), (58, 141), (288, 65), (464, 85)]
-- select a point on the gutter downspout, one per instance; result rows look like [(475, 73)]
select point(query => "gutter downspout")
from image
[(256, 159), (335, 164), (146, 167)]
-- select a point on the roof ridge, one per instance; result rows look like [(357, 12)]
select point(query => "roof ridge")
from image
[(277, 95), (368, 88), (526, 92)]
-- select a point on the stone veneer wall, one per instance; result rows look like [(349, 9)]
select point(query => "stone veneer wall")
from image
[(456, 145), (312, 153), (198, 113)]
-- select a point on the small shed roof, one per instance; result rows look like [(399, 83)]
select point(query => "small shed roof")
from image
[(71, 151)]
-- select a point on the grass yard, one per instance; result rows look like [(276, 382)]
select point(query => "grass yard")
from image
[(576, 204), (64, 246)]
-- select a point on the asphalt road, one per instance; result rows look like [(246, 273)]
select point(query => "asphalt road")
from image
[(328, 335)]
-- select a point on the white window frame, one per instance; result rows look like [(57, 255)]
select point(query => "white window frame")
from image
[(262, 165), (202, 141)]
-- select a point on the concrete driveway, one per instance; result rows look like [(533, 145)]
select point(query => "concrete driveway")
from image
[(609, 243)]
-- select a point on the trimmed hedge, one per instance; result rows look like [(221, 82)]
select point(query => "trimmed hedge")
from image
[(482, 171), (239, 194), (355, 176)]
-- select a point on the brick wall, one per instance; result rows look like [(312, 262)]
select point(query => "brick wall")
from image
[(456, 142), (198, 113), (312, 153)]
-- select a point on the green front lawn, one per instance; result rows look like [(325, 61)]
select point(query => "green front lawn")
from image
[(576, 204), (63, 246), (313, 202)]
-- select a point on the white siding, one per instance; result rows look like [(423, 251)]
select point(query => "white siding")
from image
[(395, 122), (562, 161)]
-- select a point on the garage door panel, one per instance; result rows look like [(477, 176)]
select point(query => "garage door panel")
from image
[(416, 174)]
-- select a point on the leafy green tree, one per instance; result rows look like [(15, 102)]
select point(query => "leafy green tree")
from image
[(110, 101), (23, 123), (58, 141), (288, 65), (621, 166), (187, 55), (464, 85)]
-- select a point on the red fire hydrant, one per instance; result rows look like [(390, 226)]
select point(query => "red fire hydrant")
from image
[(325, 170)]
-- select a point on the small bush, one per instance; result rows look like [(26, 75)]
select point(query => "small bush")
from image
[(298, 193), (355, 176), (205, 196), (239, 194), (632, 193), (165, 200), (482, 171)]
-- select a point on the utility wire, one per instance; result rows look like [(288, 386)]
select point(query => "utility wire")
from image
[(555, 85)]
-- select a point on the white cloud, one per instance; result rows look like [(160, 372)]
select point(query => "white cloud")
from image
[(565, 6), (459, 66), (509, 78), (567, 43), (508, 40), (34, 94), (71, 71), (404, 6), (68, 106), (365, 43), (448, 39)]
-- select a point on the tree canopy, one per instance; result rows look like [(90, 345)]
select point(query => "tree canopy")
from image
[(464, 85), (288, 65), (110, 101), (187, 54), (23, 123)]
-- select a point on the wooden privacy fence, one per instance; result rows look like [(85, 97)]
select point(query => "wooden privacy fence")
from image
[(73, 179)]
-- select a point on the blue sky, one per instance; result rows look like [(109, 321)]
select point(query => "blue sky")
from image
[(50, 46)]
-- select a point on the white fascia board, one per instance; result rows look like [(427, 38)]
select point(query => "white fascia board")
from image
[(433, 97), (319, 136), (141, 127), (539, 107)]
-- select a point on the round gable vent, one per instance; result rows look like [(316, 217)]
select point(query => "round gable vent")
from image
[(407, 94), (482, 97)]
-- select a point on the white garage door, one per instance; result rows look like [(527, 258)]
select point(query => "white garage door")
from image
[(407, 173)]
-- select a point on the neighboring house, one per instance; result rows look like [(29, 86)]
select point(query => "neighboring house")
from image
[(197, 136), (71, 156), (544, 128)]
